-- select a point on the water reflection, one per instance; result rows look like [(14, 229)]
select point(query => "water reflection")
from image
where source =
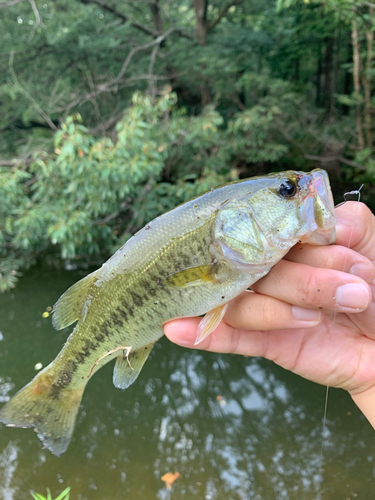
[(234, 428), (8, 466), (5, 388)]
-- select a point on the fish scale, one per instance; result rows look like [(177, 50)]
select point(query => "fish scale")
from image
[(138, 291), (187, 262)]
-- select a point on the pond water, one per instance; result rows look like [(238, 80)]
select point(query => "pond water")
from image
[(234, 428)]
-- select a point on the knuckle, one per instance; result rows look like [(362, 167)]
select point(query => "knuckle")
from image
[(363, 216), (311, 290), (268, 311), (334, 257), (330, 258), (364, 212)]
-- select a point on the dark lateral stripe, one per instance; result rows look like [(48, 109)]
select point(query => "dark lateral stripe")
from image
[(128, 308), (137, 299), (123, 313), (88, 348), (100, 337), (106, 328), (116, 320)]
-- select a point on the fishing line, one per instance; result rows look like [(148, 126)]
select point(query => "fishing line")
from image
[(358, 193)]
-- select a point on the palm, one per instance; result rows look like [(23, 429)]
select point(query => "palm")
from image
[(338, 352)]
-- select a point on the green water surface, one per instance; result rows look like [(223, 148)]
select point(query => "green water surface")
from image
[(235, 428)]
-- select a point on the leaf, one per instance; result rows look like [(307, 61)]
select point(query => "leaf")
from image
[(36, 496), (64, 495), (169, 478)]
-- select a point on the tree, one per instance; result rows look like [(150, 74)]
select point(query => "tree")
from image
[(113, 112)]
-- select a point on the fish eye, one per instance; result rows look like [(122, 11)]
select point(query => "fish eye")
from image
[(287, 189)]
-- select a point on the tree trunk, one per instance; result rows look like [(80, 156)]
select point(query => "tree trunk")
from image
[(155, 11), (201, 25), (296, 70), (328, 64), (356, 81), (201, 28), (367, 80), (159, 28), (318, 97), (348, 80)]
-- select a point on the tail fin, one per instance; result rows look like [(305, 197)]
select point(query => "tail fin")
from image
[(52, 412)]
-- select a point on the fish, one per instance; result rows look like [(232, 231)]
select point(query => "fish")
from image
[(187, 262)]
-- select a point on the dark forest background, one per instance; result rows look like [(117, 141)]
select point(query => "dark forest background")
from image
[(112, 112)]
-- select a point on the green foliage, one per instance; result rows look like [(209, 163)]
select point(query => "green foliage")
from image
[(90, 193), (104, 128), (63, 495)]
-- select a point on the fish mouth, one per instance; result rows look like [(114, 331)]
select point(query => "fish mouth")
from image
[(318, 210)]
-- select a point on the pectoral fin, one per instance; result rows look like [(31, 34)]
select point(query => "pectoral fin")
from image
[(127, 368), (210, 322), (68, 308), (193, 276)]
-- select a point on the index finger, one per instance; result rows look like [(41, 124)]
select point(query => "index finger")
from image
[(355, 228)]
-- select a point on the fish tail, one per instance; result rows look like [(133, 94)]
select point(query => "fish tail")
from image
[(47, 407)]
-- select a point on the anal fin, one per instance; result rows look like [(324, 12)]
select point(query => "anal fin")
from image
[(128, 367), (210, 322)]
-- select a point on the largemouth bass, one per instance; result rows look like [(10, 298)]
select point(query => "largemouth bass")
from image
[(187, 262)]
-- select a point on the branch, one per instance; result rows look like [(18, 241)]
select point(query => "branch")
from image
[(24, 160), (328, 159), (123, 17), (222, 14), (356, 81), (151, 82), (10, 3), (157, 41), (108, 86), (352, 163), (110, 216), (28, 96), (81, 99), (184, 34), (7, 163), (108, 124), (38, 19)]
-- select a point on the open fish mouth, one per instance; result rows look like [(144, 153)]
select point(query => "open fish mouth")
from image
[(318, 210)]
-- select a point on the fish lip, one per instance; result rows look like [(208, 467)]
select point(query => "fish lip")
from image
[(318, 210)]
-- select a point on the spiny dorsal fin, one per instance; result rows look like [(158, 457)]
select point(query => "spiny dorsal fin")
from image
[(127, 368), (69, 306)]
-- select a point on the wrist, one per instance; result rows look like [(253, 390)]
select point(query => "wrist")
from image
[(365, 401)]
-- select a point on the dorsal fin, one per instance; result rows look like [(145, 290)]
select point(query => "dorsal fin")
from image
[(69, 306)]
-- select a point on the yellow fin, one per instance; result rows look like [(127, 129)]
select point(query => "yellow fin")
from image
[(128, 367), (193, 276), (69, 306), (210, 322)]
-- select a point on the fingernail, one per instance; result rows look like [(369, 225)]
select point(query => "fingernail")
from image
[(354, 295), (362, 271), (303, 314)]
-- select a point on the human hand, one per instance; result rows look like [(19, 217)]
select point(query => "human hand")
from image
[(313, 314)]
